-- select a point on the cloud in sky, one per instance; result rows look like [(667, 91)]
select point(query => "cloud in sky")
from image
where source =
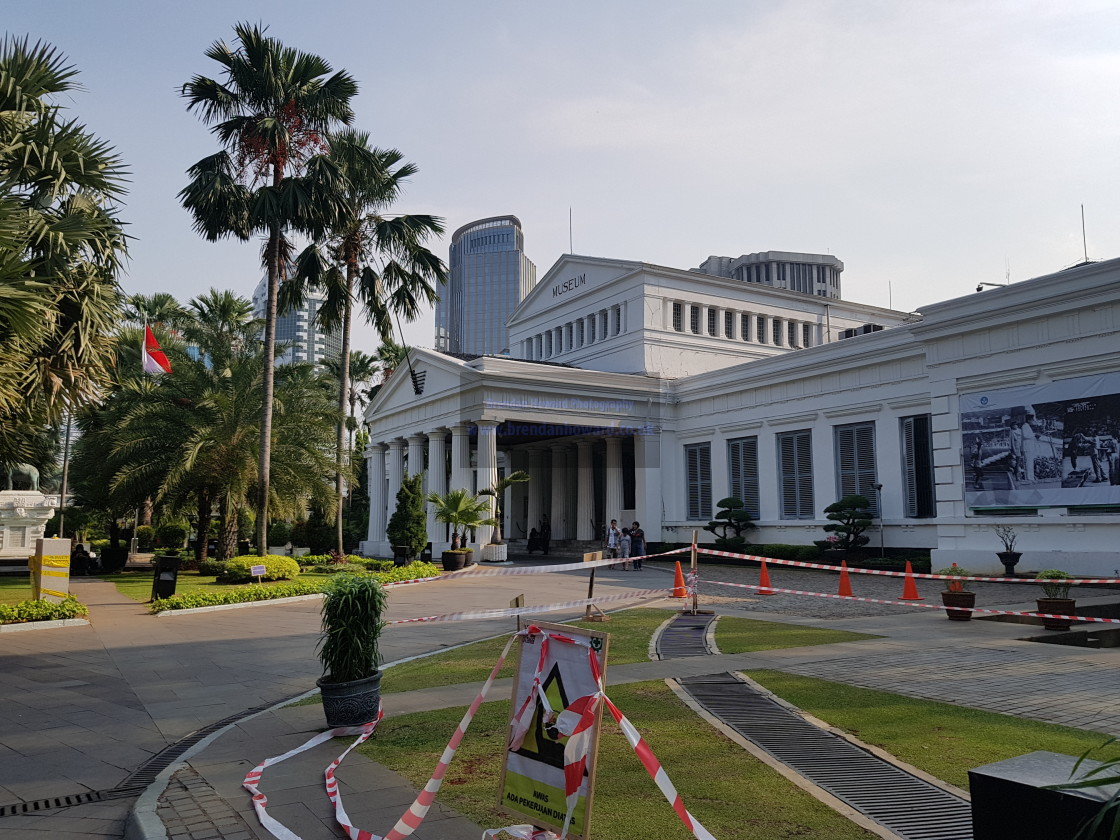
[(924, 143)]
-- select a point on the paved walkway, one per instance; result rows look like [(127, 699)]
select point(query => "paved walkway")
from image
[(85, 706)]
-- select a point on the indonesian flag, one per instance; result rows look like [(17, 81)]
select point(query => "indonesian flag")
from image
[(154, 359)]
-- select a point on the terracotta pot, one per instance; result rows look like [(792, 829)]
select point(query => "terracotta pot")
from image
[(1056, 606), (964, 600)]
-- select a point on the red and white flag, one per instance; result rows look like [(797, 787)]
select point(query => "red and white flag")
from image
[(155, 361)]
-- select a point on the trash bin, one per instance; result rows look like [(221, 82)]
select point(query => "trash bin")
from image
[(165, 576), (426, 554)]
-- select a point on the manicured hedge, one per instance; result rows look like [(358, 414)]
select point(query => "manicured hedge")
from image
[(255, 592), (238, 570), (41, 611)]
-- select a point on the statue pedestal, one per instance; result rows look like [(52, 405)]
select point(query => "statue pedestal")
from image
[(23, 516)]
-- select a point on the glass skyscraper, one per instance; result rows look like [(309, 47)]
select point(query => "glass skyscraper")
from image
[(489, 277), (298, 334)]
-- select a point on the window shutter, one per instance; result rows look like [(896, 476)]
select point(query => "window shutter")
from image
[(795, 453), (909, 468), (743, 471), (698, 459), (917, 467), (855, 462)]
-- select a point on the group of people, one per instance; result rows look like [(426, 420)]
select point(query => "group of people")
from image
[(626, 544)]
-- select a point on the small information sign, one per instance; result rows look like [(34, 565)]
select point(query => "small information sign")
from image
[(257, 571)]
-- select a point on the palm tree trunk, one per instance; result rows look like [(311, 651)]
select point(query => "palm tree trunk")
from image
[(272, 262), (202, 538), (344, 392), (227, 541)]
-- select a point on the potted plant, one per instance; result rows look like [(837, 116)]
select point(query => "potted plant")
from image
[(956, 595), (352, 625), (496, 550), (1009, 556), (462, 511), (408, 527), (1056, 600)]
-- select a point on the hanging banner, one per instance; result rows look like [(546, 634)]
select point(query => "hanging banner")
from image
[(556, 709), (1052, 445)]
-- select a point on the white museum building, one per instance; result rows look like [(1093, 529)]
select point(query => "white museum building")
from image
[(640, 392)]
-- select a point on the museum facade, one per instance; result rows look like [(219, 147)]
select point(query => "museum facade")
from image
[(639, 392)]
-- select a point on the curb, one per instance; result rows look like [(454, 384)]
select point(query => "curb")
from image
[(43, 625)]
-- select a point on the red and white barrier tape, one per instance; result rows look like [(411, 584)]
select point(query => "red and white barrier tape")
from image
[(509, 612), (923, 575), (487, 571), (416, 811), (772, 588)]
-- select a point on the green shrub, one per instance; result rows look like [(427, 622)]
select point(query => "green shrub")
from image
[(98, 545), (198, 598), (238, 570), (408, 526), (212, 568), (172, 535), (41, 611), (409, 572), (145, 537), (279, 533)]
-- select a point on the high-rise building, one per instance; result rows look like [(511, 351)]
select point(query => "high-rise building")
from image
[(299, 337), (810, 274), (489, 276)]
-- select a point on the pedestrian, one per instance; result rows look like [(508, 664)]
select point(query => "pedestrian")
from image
[(637, 545), (624, 549), (613, 536)]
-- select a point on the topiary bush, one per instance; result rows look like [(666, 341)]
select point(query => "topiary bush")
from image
[(172, 535), (145, 537), (729, 524), (238, 570), (409, 523), (41, 611), (848, 519)]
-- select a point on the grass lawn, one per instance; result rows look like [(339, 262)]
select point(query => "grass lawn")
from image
[(735, 796), (15, 588), (138, 584), (942, 739), (630, 632)]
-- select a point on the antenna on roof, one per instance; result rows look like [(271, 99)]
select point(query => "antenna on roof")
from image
[(571, 248), (1007, 271), (1084, 241)]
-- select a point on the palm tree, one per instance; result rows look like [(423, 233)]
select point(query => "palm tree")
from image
[(377, 257), (498, 491), (462, 511), (269, 112), (220, 321), (159, 309), (61, 246), (391, 356)]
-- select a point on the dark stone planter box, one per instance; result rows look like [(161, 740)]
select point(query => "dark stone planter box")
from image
[(453, 561), (965, 601), (1056, 606), (351, 703)]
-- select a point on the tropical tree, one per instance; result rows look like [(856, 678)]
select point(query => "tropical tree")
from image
[(463, 511), (368, 254), (390, 356), (269, 111), (220, 321), (159, 309), (61, 246), (498, 491)]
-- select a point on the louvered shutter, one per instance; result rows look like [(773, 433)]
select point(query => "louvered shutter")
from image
[(698, 460), (909, 468), (855, 462), (743, 471), (795, 454)]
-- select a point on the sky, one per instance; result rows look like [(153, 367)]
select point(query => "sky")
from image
[(931, 146)]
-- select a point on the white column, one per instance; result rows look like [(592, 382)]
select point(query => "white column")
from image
[(375, 470), (585, 502), (648, 477), (559, 514), (437, 483), (516, 525), (460, 457), (535, 487), (416, 454), (396, 473), (612, 508), (487, 468)]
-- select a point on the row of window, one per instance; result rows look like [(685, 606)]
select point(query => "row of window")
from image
[(742, 326), (797, 277), (855, 470), (597, 326)]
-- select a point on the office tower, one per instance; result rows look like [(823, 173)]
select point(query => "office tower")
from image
[(489, 276), (299, 338)]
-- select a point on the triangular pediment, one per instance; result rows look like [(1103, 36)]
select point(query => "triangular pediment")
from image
[(571, 277), (433, 374)]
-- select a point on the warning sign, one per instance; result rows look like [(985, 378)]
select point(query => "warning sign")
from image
[(548, 770)]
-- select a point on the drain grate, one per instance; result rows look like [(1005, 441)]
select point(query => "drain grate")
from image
[(908, 806), (139, 779), (685, 636)]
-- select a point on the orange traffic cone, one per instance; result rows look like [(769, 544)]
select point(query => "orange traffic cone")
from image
[(764, 581), (909, 588), (679, 589), (845, 584)]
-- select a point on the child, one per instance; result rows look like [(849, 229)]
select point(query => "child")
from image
[(624, 548)]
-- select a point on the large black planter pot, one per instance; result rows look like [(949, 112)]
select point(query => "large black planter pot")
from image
[(453, 561), (1009, 559), (351, 703), (964, 600), (1056, 606)]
